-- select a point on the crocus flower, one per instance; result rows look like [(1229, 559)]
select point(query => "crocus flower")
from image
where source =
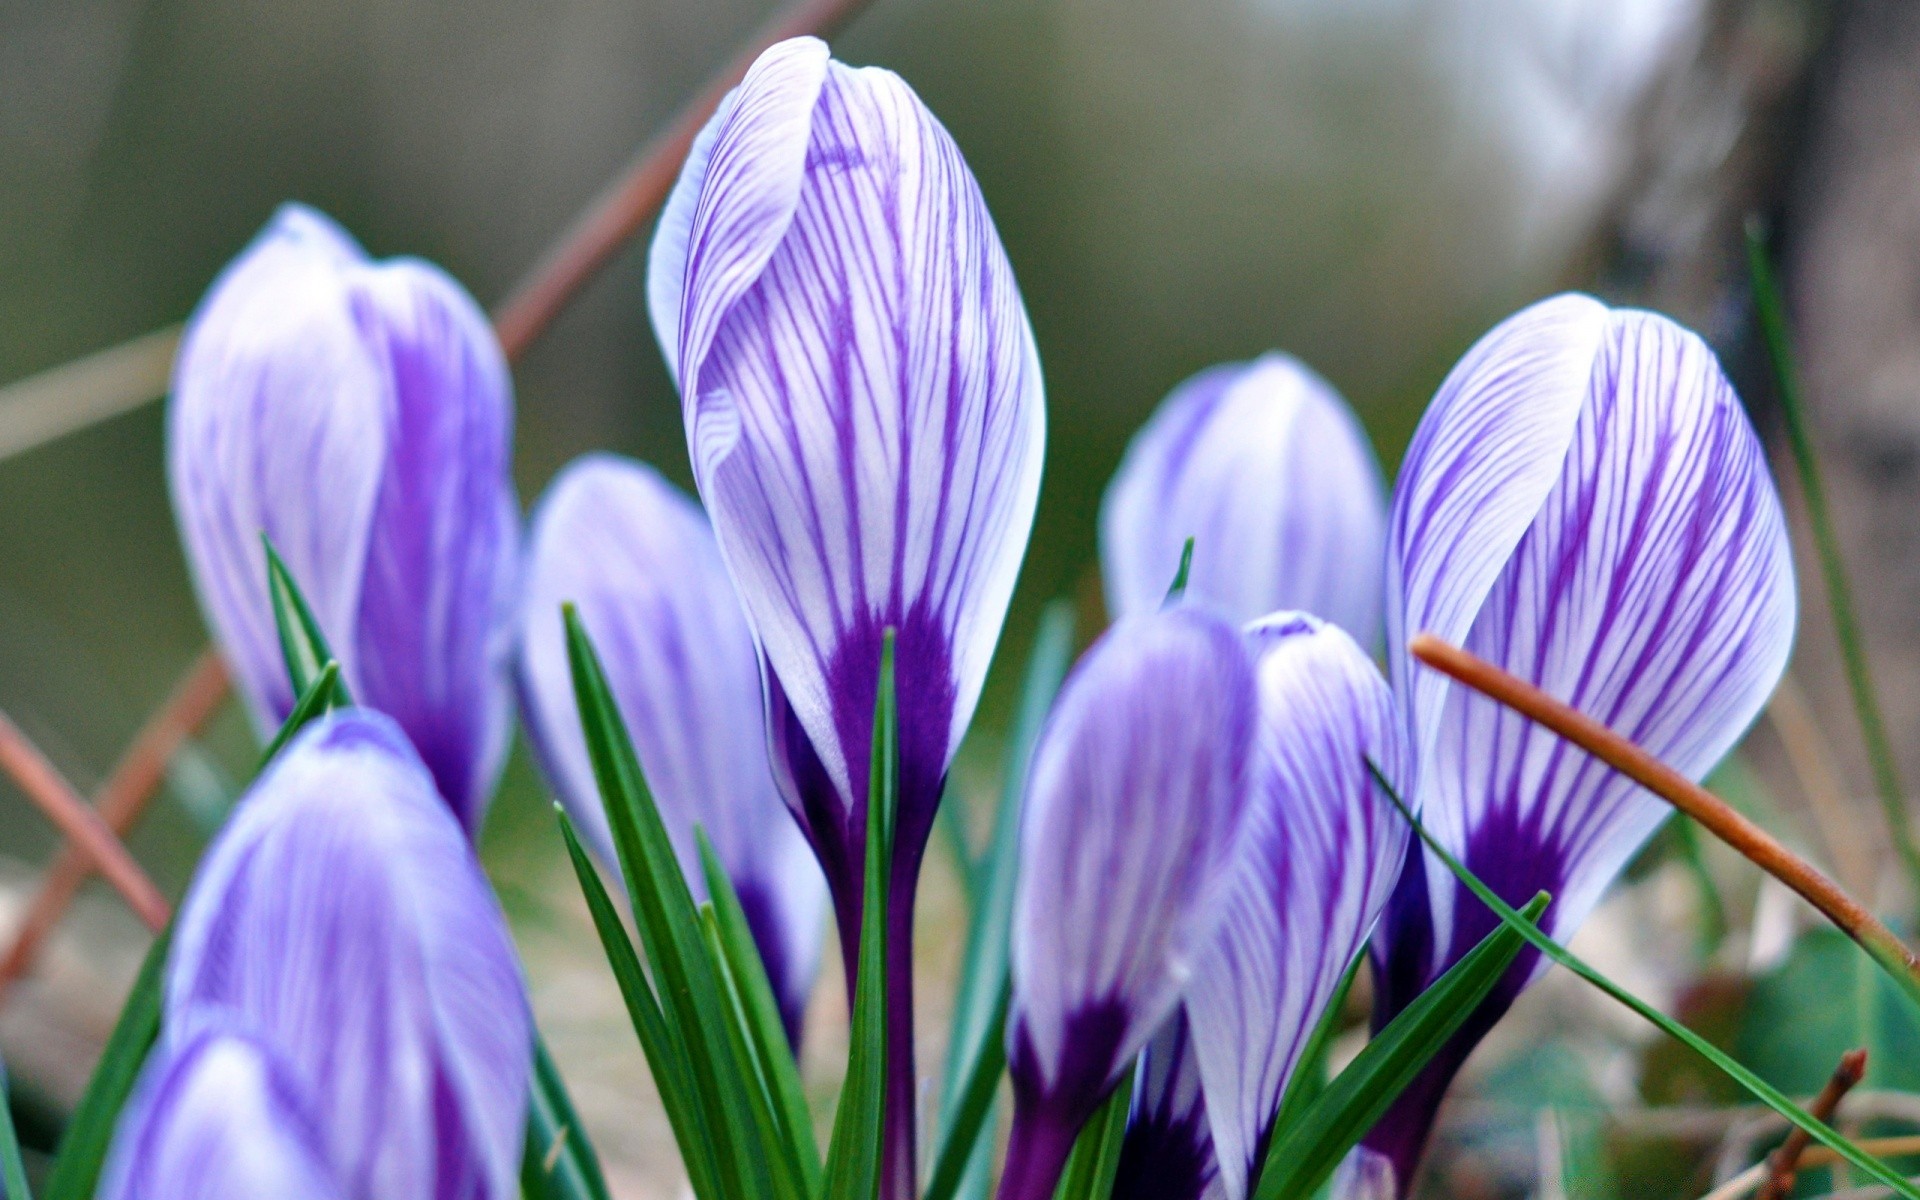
[(1134, 807), (1168, 1152), (358, 414), (864, 413), (1265, 467), (1586, 506), (342, 919), (638, 559), (1323, 848), (217, 1116)]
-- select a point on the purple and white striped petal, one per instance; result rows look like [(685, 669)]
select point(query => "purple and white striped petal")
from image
[(1265, 467), (638, 560), (1135, 805), (1168, 1151), (1323, 847), (1586, 506), (863, 404), (217, 1116), (342, 918), (359, 414)]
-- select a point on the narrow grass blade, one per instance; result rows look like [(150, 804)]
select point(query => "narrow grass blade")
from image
[(772, 1056), (1179, 588), (1772, 317), (83, 1150), (1302, 1157), (853, 1154), (683, 969), (665, 1056), (559, 1162), (768, 1120), (974, 1046), (326, 694), (1095, 1160), (301, 641), (965, 1114), (13, 1170), (1761, 1090), (1310, 1076)]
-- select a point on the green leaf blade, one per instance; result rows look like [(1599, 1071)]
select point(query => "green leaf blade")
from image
[(559, 1163)]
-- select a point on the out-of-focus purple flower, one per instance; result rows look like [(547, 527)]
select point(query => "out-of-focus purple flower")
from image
[(1323, 847), (864, 412), (1134, 810), (639, 561), (1586, 506), (342, 919), (217, 1116), (1168, 1152), (1265, 467), (359, 414)]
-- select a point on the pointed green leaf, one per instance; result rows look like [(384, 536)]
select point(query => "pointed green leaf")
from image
[(1763, 1091), (1095, 1159), (683, 968), (325, 694), (83, 1149), (1178, 590), (1300, 1159), (13, 1170), (773, 1057), (965, 1116), (559, 1162), (1310, 1076), (853, 1154), (768, 1121), (301, 642), (665, 1057), (975, 1053)]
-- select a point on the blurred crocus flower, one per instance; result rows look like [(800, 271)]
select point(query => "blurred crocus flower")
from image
[(1134, 811), (638, 559), (217, 1116), (1265, 467), (864, 412), (342, 920), (1168, 1152), (359, 414), (1585, 505)]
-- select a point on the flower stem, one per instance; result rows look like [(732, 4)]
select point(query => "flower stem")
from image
[(1037, 1150), (1833, 568), (1714, 814)]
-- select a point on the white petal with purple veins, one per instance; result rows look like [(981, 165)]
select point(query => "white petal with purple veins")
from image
[(1267, 469), (1323, 847), (342, 917), (638, 560)]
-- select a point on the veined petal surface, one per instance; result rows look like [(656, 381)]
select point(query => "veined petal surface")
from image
[(216, 1116), (342, 918), (1650, 586), (1265, 467), (1322, 850), (864, 406), (1135, 804), (638, 560), (359, 414), (1168, 1152)]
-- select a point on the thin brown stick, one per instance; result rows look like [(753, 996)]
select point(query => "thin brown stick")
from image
[(54, 796), (120, 801), (630, 201), (1713, 813), (1783, 1165)]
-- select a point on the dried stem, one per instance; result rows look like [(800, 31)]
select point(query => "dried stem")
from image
[(1713, 813), (45, 786), (630, 201), (1818, 1156), (1783, 1165), (120, 802)]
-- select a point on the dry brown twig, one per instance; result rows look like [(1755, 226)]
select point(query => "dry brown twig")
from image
[(1783, 1165), (609, 222)]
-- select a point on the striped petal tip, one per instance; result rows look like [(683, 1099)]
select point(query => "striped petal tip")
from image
[(359, 414), (1586, 506), (1135, 804), (1323, 847), (217, 1116), (865, 417), (1269, 472), (342, 919), (638, 560), (1168, 1152)]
